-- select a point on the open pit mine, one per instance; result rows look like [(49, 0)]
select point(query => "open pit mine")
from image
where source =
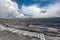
[(30, 29)]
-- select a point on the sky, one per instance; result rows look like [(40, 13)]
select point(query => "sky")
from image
[(29, 8)]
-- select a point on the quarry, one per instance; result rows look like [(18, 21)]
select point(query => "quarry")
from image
[(30, 29)]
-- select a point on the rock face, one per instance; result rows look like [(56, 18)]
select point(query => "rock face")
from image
[(30, 29)]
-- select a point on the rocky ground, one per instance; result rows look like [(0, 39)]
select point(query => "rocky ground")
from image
[(13, 34), (9, 30)]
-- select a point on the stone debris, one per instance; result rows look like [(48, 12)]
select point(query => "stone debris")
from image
[(30, 29), (22, 32)]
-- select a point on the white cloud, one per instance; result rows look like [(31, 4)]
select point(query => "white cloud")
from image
[(52, 10), (9, 9), (32, 10)]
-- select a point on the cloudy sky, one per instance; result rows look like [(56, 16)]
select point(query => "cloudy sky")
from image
[(29, 8)]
